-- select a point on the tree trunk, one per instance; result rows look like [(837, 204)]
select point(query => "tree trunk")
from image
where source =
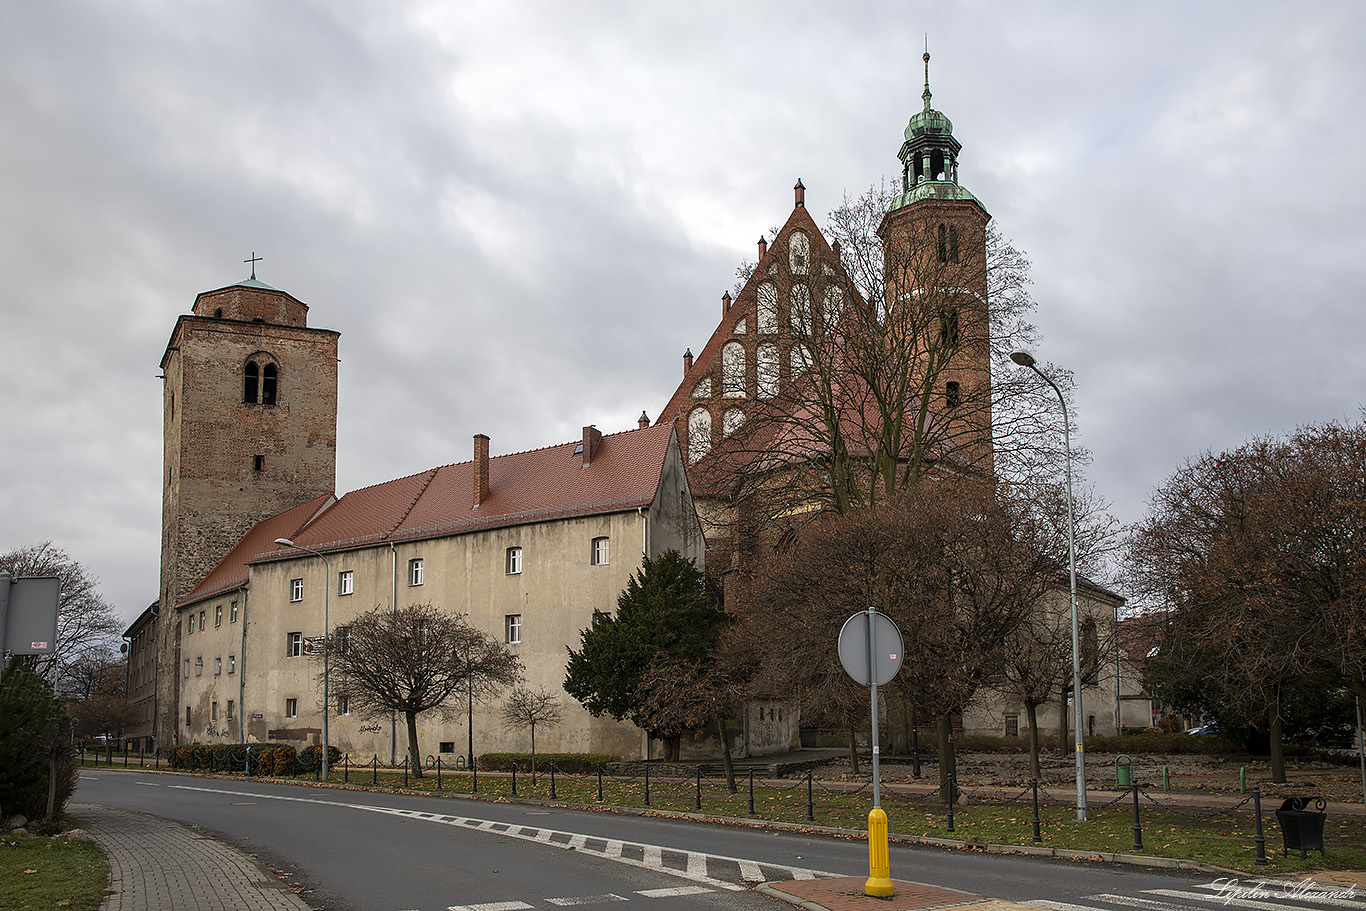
[(898, 725), (671, 747), (725, 755), (948, 762), (413, 759), (1032, 713), (1277, 742), (853, 752)]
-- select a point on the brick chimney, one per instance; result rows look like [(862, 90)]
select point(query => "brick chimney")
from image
[(481, 469), (763, 248), (591, 436), (800, 191), (725, 303), (643, 421), (687, 361)]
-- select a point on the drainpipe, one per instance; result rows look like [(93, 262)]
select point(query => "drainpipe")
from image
[(393, 605), (644, 530), (242, 672)]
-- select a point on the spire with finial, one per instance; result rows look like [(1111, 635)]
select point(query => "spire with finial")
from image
[(926, 94)]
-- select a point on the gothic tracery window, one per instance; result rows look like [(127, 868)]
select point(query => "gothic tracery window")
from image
[(768, 307), (699, 434), (733, 369)]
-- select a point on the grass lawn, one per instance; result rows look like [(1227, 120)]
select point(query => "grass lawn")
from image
[(40, 872)]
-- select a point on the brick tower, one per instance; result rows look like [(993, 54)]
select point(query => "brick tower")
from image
[(934, 240), (249, 431)]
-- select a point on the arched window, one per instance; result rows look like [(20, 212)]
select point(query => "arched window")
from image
[(801, 309), (731, 421), (699, 434), (768, 307), (953, 244), (948, 328), (733, 369), (798, 253), (253, 380), (834, 305), (943, 244), (268, 384), (767, 363), (801, 359), (952, 395)]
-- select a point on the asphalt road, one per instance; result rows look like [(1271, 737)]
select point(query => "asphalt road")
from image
[(369, 851)]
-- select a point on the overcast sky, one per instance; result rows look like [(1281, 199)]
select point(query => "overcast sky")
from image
[(519, 214)]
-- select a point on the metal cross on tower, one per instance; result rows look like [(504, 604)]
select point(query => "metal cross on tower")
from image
[(254, 260)]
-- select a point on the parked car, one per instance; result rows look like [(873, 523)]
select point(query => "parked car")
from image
[(1204, 729)]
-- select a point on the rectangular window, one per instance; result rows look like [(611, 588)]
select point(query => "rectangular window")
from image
[(296, 589), (232, 612), (218, 615), (342, 640), (232, 664), (187, 716), (294, 645), (258, 463), (189, 626), (201, 620), (512, 625), (291, 708), (343, 705), (199, 667), (187, 668), (345, 582), (213, 712), (230, 707), (217, 666), (415, 572), (514, 563), (447, 746), (1012, 725), (599, 553)]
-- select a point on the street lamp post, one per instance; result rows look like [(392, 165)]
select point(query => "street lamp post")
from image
[(327, 584), (1026, 359)]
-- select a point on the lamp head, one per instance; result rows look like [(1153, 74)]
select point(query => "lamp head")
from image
[(1019, 356), (285, 542)]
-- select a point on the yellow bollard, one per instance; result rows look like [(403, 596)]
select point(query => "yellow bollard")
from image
[(879, 883)]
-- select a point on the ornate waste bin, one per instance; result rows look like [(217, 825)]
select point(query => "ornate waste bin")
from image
[(1301, 828)]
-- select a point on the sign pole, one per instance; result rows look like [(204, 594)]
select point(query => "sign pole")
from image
[(879, 884)]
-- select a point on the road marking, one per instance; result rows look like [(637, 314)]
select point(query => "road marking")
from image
[(751, 872), (1133, 900), (587, 900), (1235, 902), (670, 893), (492, 906), (1059, 906), (651, 855), (145, 784)]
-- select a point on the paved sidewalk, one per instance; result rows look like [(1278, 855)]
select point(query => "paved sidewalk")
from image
[(158, 865), (846, 893)]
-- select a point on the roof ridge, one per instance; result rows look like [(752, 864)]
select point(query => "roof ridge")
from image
[(431, 475)]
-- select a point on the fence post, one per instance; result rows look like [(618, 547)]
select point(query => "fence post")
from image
[(1242, 779), (599, 782), (1034, 783), (552, 780), (407, 758), (156, 755), (1261, 841), (751, 792), (647, 784), (698, 802), (438, 773), (953, 792), (1166, 779), (125, 755), (374, 771), (1138, 828), (810, 804), (474, 768), (346, 769), (317, 767), (514, 779)]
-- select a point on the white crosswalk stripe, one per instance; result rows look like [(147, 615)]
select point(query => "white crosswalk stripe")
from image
[(1232, 893)]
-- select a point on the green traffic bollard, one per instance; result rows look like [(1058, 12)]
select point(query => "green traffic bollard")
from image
[(1166, 780), (1242, 779)]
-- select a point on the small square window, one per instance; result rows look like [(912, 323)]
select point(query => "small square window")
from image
[(218, 615), (291, 708), (232, 612), (514, 561), (599, 554), (294, 645), (296, 589), (217, 666), (345, 582), (232, 664), (415, 572), (512, 626)]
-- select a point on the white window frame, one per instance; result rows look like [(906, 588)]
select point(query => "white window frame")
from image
[(294, 645), (513, 567), (343, 704), (232, 612), (415, 571), (600, 552), (346, 582), (512, 629), (189, 627), (292, 707), (296, 590), (218, 615), (201, 620)]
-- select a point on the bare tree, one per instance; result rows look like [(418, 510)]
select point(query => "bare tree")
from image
[(97, 697), (414, 660), (86, 623), (527, 708)]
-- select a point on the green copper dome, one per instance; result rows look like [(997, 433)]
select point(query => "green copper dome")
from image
[(929, 156)]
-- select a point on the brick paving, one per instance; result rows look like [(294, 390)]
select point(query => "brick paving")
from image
[(846, 893), (158, 865)]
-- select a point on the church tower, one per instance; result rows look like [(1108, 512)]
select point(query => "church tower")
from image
[(935, 259), (249, 431)]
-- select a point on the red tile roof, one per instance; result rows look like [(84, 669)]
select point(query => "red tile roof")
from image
[(532, 486)]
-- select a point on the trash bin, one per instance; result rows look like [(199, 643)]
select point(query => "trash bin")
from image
[(1124, 771), (1301, 828)]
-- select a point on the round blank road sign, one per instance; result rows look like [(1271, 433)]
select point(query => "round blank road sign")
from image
[(887, 648)]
